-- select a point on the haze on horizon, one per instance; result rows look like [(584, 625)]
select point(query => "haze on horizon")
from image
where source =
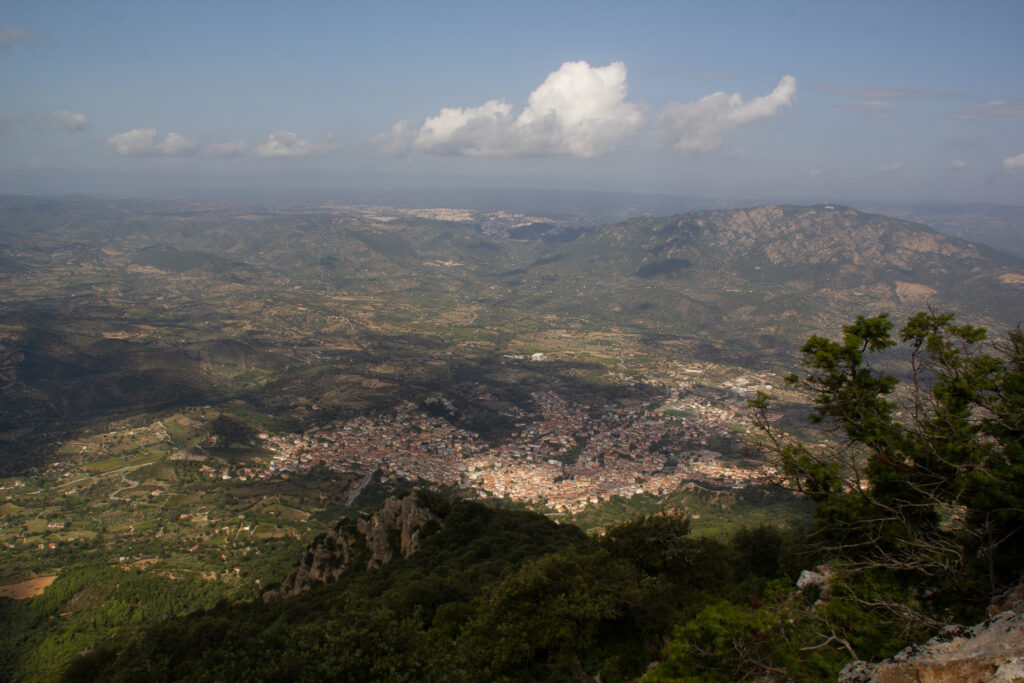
[(917, 101)]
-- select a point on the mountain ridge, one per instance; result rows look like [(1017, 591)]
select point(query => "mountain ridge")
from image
[(702, 271)]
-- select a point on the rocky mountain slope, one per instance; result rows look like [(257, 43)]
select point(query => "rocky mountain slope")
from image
[(999, 225), (989, 652), (762, 279), (370, 543)]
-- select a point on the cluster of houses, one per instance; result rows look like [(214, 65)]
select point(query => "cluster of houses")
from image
[(573, 455)]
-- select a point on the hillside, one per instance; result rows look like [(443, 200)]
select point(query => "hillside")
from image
[(999, 225), (488, 594), (754, 282)]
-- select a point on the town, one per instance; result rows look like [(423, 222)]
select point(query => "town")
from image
[(571, 457)]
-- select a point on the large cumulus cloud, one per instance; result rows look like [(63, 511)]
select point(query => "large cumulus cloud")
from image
[(578, 111), (701, 126)]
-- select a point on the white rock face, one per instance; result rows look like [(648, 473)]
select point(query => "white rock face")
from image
[(809, 578), (822, 579), (989, 652)]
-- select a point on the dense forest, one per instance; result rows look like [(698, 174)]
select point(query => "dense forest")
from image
[(490, 595)]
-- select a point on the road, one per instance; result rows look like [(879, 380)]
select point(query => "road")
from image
[(124, 478), (359, 489)]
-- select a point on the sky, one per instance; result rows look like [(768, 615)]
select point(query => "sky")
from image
[(881, 101)]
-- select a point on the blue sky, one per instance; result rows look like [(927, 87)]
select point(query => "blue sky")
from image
[(816, 100)]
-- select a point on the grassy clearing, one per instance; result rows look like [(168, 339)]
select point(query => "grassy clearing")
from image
[(178, 500), (286, 513), (36, 526)]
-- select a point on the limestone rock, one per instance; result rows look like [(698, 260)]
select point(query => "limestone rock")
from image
[(820, 579), (809, 578), (371, 542), (989, 652), (403, 517)]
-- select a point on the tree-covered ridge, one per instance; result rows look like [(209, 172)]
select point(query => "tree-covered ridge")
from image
[(919, 508), (490, 595), (40, 636)]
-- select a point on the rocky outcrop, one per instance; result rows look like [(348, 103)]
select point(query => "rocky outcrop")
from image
[(819, 580), (396, 526), (989, 652), (371, 543), (837, 235)]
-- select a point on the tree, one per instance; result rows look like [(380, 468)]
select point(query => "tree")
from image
[(924, 476)]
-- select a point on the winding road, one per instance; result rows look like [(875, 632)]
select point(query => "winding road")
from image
[(124, 478)]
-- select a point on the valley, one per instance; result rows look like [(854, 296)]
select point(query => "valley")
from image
[(193, 391)]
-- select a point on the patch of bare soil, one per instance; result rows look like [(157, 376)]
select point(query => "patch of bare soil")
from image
[(26, 589)]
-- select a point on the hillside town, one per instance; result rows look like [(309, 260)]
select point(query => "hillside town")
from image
[(572, 456)]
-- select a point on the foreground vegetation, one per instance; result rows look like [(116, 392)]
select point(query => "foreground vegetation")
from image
[(491, 595)]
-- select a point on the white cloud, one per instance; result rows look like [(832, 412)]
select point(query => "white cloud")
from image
[(993, 109), (285, 144), (1013, 163), (578, 111), (234, 148), (63, 120), (701, 126), (893, 167), (142, 142), (397, 141), (9, 35), (957, 164), (56, 121), (486, 130)]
